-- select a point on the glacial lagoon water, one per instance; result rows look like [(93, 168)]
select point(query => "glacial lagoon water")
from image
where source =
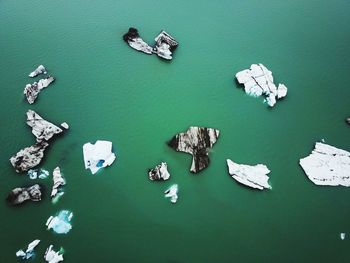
[(105, 90)]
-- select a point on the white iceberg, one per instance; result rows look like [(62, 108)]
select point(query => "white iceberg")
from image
[(52, 256), (258, 81), (327, 165), (60, 223), (172, 193), (39, 70), (252, 176), (98, 155), (58, 181), (30, 250)]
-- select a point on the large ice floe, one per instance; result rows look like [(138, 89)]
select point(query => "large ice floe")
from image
[(21, 194), (160, 172), (42, 129), (61, 222), (29, 251), (164, 47), (254, 176), (31, 156), (171, 192), (258, 81), (327, 165), (32, 90), (39, 70), (58, 182), (52, 256), (196, 141), (98, 155)]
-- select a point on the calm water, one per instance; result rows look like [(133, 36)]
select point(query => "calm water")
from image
[(105, 90)]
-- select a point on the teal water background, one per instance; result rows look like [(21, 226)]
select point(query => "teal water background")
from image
[(106, 90)]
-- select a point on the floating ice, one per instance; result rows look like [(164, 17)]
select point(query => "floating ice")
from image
[(60, 223), (38, 173), (30, 250), (172, 193), (327, 165), (258, 81), (98, 155), (160, 172), (249, 175), (342, 236), (52, 256), (39, 70), (58, 181)]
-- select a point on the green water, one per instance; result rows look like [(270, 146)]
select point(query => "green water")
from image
[(106, 90)]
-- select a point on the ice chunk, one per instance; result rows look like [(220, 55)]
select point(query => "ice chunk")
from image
[(252, 176), (258, 81), (327, 165), (38, 173), (52, 256), (58, 181), (160, 172), (98, 155), (342, 236), (61, 222), (65, 125), (172, 193), (39, 70), (30, 250)]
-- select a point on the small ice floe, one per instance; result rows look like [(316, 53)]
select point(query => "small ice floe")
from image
[(342, 236), (254, 176), (327, 165), (172, 193), (160, 172), (348, 120), (20, 195), (38, 173), (58, 182), (258, 81), (32, 90), (52, 256), (39, 70), (30, 250), (65, 125), (61, 222), (98, 155)]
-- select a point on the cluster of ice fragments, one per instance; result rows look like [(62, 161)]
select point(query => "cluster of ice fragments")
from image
[(29, 251), (327, 165), (31, 156), (60, 223), (196, 141), (258, 81), (31, 91), (50, 256), (38, 173), (165, 43), (252, 176)]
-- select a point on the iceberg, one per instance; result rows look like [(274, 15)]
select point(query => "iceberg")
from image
[(20, 195), (61, 222), (42, 129), (98, 155), (39, 70), (52, 256), (165, 45), (28, 157), (327, 165), (196, 141), (172, 193), (38, 173), (32, 90), (160, 172), (258, 81), (30, 250), (134, 40), (249, 175), (58, 182)]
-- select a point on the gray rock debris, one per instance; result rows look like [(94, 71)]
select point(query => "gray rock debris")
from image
[(19, 195)]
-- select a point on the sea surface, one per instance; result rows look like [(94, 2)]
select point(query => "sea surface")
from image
[(106, 90)]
